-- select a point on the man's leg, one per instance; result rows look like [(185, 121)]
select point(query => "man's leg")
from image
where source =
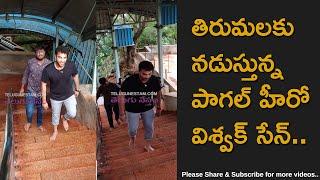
[(148, 120), (133, 124), (116, 112), (108, 108), (39, 113), (56, 109), (29, 110), (71, 107)]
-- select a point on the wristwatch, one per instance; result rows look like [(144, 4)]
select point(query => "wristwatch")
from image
[(77, 90)]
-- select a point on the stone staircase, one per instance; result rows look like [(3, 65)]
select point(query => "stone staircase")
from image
[(2, 126), (124, 163), (71, 156)]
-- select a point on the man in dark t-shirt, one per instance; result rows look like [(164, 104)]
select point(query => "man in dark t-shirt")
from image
[(109, 91), (139, 93), (60, 74)]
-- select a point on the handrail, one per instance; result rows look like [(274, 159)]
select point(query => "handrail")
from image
[(7, 166), (101, 158)]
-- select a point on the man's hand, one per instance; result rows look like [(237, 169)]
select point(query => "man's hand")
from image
[(21, 90), (158, 112), (122, 117), (76, 93), (45, 105)]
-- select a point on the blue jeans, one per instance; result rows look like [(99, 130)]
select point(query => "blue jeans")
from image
[(147, 119), (31, 102)]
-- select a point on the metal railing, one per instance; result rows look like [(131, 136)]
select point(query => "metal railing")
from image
[(7, 156), (101, 158)]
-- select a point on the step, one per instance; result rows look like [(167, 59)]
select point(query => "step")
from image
[(166, 170), (49, 144), (157, 123), (56, 152), (127, 169), (82, 173), (46, 125), (140, 142), (141, 156), (1, 136), (21, 176), (33, 132), (124, 135), (137, 157), (125, 151), (62, 136), (124, 131), (140, 138), (59, 163)]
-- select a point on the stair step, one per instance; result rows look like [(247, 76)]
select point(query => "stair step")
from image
[(56, 152), (21, 135), (157, 119), (137, 156), (125, 151), (36, 176), (137, 166), (82, 173), (62, 136), (58, 143), (59, 163), (166, 170), (139, 139), (123, 130), (124, 135), (141, 156)]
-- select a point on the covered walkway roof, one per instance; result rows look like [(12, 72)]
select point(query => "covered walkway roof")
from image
[(71, 13), (146, 8)]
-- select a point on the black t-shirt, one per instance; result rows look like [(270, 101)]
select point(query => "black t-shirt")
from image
[(109, 92), (143, 100), (60, 81)]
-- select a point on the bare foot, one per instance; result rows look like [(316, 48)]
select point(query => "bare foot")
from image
[(148, 148), (132, 144), (65, 124), (27, 127), (41, 128), (53, 136)]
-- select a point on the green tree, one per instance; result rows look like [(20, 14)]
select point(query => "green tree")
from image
[(145, 34), (105, 61)]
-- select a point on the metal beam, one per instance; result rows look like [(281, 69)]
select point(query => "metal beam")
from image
[(56, 14), (159, 40), (22, 8)]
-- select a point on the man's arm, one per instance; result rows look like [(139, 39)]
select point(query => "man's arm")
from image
[(121, 103), (76, 81), (158, 103), (98, 93), (24, 79), (44, 94), (158, 99), (76, 84)]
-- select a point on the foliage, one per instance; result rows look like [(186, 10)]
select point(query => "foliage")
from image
[(149, 35), (105, 61)]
